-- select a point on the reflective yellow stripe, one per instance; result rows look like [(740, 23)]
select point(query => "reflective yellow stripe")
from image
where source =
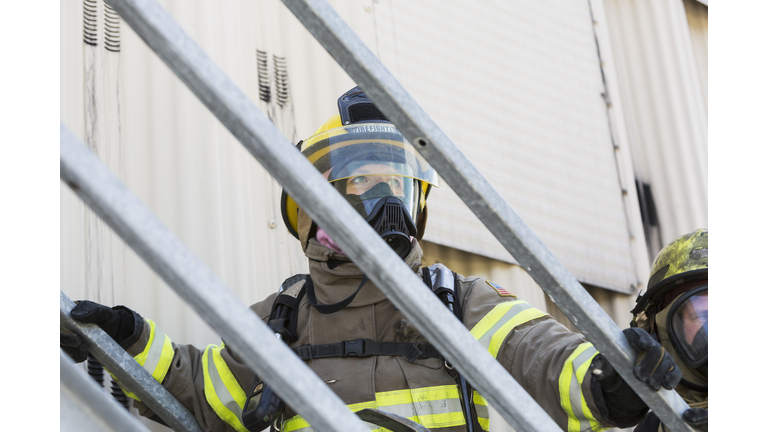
[(155, 359), (158, 354), (496, 325), (481, 408), (571, 397), (432, 407), (222, 391)]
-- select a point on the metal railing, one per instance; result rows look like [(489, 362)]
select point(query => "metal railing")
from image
[(85, 407), (125, 368), (261, 351), (82, 171), (566, 292)]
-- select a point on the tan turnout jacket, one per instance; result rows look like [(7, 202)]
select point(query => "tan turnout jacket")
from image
[(550, 362)]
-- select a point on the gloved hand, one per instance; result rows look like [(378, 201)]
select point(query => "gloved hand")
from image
[(120, 323), (697, 418), (71, 344), (618, 403), (654, 365)]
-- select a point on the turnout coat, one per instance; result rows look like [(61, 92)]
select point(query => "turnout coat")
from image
[(550, 362)]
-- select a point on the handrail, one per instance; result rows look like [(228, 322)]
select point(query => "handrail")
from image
[(125, 368), (271, 358), (566, 292), (86, 407)]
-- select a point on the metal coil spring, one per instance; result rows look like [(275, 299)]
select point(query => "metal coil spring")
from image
[(90, 22), (265, 92), (282, 86), (95, 370), (119, 395), (111, 29)]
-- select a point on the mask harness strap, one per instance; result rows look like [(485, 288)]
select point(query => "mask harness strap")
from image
[(330, 308)]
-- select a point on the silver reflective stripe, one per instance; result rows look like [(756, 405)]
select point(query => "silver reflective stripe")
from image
[(424, 408), (485, 339), (441, 277), (222, 401), (580, 418), (155, 353), (433, 407), (482, 411)]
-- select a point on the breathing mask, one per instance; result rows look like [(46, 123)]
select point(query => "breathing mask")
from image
[(688, 326)]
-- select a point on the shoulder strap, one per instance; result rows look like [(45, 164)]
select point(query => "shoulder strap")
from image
[(285, 309), (443, 282)]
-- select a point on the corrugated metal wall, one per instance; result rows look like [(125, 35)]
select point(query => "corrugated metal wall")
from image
[(520, 90), (517, 84), (660, 77)]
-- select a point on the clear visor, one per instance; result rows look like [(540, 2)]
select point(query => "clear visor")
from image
[(369, 183), (341, 152), (688, 326)]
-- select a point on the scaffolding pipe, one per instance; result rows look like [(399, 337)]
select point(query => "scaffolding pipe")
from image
[(566, 292), (265, 354), (331, 211), (124, 367), (85, 407)]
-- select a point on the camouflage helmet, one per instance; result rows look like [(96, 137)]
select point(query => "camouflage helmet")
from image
[(683, 260)]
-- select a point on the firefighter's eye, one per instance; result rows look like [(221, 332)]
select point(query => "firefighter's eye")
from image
[(359, 180), (394, 182)]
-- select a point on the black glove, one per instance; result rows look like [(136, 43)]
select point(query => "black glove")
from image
[(697, 418), (120, 323), (617, 402), (654, 365), (71, 344)]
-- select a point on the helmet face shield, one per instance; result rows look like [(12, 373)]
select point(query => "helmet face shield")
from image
[(688, 326), (342, 151)]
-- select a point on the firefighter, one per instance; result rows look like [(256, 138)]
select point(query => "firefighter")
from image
[(674, 310), (354, 338)]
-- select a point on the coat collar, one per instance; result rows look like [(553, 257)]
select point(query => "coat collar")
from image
[(336, 277)]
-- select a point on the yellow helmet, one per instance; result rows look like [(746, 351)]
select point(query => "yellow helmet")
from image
[(355, 146), (683, 260)]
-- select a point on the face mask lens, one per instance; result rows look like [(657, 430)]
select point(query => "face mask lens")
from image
[(365, 191), (689, 326)]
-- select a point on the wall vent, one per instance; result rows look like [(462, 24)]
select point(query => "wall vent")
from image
[(265, 93), (90, 22), (111, 29)]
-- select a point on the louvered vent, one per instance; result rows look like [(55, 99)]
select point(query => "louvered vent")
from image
[(90, 21), (111, 29), (282, 87), (265, 92)]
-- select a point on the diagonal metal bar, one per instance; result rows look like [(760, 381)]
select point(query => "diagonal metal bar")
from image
[(299, 387), (380, 85), (331, 211), (125, 368), (85, 407)]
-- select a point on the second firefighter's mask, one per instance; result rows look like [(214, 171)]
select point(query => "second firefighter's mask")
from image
[(379, 173)]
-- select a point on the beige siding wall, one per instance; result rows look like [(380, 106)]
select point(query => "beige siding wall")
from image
[(660, 78), (518, 85)]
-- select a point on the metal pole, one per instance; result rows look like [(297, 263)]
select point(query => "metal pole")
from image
[(331, 211), (392, 99), (125, 368), (84, 407), (271, 358)]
